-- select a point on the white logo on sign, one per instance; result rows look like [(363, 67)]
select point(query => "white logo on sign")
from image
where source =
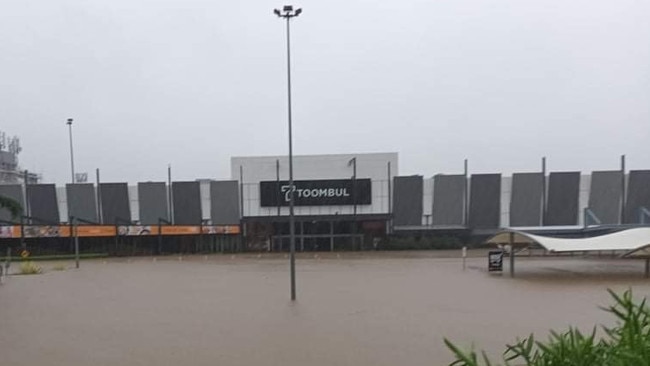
[(314, 192)]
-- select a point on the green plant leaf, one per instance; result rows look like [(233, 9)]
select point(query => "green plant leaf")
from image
[(15, 209)]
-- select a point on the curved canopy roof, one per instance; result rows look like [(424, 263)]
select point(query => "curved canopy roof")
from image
[(635, 241)]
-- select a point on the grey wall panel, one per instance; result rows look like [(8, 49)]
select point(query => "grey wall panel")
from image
[(187, 203), (152, 197), (81, 201), (15, 192), (485, 201), (42, 203), (562, 204), (605, 196), (407, 200), (526, 199), (224, 206), (448, 200), (115, 203), (638, 195)]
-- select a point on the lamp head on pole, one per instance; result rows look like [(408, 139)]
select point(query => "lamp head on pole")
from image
[(69, 122), (287, 12)]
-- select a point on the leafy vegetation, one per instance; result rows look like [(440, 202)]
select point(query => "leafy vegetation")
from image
[(627, 343), (13, 206), (28, 268), (58, 257)]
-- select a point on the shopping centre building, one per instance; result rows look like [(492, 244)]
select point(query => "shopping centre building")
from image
[(342, 202)]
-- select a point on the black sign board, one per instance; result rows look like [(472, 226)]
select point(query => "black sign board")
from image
[(495, 261), (316, 192)]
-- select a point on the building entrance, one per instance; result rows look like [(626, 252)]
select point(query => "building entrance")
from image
[(315, 235)]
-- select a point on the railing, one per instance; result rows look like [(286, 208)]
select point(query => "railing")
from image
[(644, 215), (590, 218)]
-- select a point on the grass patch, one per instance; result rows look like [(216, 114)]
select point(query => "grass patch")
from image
[(57, 257), (59, 267), (30, 268)]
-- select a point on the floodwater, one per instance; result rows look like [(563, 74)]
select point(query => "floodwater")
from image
[(352, 309)]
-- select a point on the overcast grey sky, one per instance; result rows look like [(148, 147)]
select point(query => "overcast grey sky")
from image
[(194, 82)]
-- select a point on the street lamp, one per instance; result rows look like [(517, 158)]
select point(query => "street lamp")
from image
[(69, 123), (353, 163), (287, 13)]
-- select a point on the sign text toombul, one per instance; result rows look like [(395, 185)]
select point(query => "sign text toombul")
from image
[(316, 192)]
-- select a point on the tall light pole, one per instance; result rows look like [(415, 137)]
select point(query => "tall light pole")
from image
[(353, 162), (287, 13), (69, 123)]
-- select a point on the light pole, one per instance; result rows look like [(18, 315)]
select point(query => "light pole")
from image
[(287, 13), (353, 162), (69, 123)]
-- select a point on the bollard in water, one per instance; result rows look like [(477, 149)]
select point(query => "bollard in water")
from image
[(7, 260), (464, 256)]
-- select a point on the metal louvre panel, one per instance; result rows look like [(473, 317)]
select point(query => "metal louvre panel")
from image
[(407, 200), (187, 203), (605, 196), (153, 202), (81, 201), (526, 201), (42, 202), (485, 201), (562, 206), (224, 198), (448, 200), (638, 195), (115, 203)]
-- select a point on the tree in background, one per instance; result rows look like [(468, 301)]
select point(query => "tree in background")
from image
[(11, 205)]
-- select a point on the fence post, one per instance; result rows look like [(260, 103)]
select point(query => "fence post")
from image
[(464, 256), (7, 261)]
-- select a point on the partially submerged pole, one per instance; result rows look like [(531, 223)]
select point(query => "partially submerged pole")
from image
[(7, 261), (543, 214), (623, 193), (512, 254), (76, 241), (466, 194), (464, 256)]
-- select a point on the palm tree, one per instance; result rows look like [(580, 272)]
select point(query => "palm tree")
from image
[(11, 205)]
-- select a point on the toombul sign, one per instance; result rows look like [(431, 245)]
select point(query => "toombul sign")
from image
[(316, 192)]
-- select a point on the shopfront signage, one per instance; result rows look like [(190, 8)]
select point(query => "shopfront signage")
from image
[(334, 192)]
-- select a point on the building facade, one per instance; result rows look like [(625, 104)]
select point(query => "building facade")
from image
[(342, 201)]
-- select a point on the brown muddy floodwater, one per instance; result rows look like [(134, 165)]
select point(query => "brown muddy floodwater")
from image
[(353, 309)]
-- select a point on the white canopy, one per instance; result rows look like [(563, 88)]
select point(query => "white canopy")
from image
[(635, 241)]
